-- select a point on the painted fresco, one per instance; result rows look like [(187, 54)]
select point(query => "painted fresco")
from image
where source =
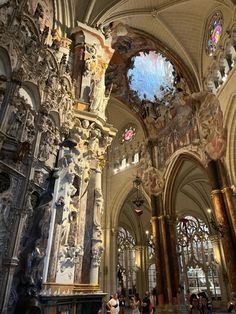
[(193, 122), (126, 43)]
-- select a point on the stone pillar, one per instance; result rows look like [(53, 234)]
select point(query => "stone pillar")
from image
[(165, 252), (113, 261), (220, 264), (97, 247), (51, 236), (82, 221), (156, 208), (223, 222), (173, 258), (227, 195)]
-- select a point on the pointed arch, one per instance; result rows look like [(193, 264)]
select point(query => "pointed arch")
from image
[(185, 162)]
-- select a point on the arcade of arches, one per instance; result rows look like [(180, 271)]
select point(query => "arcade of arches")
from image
[(117, 152)]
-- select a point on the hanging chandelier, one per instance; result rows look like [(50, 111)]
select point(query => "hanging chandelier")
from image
[(138, 201)]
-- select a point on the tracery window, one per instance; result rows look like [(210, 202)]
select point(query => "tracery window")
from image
[(150, 76), (215, 30), (126, 269), (197, 262), (151, 276)]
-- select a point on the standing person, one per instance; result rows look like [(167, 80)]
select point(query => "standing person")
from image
[(122, 304), (136, 304), (146, 304), (153, 300), (194, 305), (203, 304), (232, 304), (107, 306), (188, 295), (113, 304)]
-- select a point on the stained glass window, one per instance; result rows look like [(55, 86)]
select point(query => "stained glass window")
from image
[(215, 32), (151, 276), (150, 76), (128, 134)]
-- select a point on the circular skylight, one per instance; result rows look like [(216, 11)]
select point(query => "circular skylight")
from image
[(150, 76)]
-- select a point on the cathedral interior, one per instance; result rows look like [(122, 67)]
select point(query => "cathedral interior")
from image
[(117, 153)]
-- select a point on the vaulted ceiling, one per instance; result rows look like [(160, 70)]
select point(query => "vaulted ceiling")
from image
[(180, 25)]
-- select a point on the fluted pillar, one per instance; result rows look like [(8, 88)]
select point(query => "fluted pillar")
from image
[(220, 213)]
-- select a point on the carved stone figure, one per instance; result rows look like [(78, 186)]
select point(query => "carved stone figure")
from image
[(69, 229), (15, 123), (46, 146), (98, 207), (93, 141), (5, 222), (153, 182), (38, 177), (97, 94), (90, 65), (96, 254)]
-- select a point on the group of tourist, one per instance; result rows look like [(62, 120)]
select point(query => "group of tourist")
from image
[(147, 305), (198, 304)]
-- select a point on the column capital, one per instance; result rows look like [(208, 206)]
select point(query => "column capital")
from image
[(216, 191)]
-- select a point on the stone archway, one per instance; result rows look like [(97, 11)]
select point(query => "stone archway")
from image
[(190, 197)]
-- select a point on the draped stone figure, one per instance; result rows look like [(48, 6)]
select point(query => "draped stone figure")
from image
[(97, 94), (98, 207)]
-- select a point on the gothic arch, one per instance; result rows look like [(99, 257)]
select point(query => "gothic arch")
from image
[(31, 93), (119, 201), (229, 119), (187, 175)]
